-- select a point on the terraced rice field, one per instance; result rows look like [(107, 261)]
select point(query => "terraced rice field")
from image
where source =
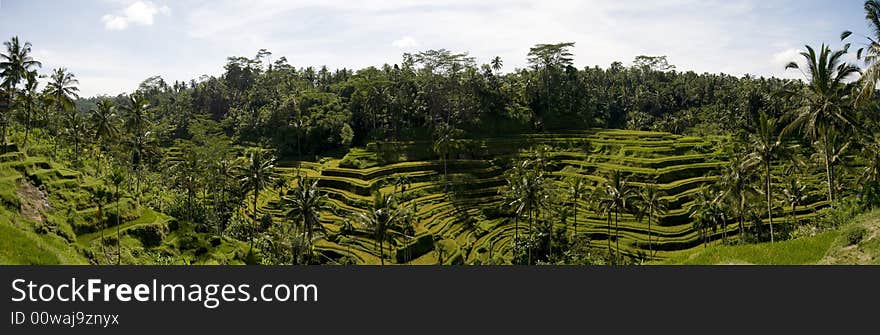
[(457, 221)]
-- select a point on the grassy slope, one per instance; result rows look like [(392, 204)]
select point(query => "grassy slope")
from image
[(23, 246), (830, 247)]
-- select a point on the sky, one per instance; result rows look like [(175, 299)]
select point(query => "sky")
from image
[(113, 45)]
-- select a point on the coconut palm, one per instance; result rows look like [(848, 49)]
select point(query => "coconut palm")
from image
[(652, 203), (869, 176), (100, 196), (116, 177), (705, 212), (576, 190), (869, 53), (104, 122), (825, 95), (15, 65), (255, 174), (736, 188), (134, 111), (620, 196), (794, 193), (62, 91), (766, 145), (530, 194), (497, 64), (444, 143), (379, 220), (29, 100), (305, 203)]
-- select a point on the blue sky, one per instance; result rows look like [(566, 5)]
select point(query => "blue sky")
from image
[(112, 45)]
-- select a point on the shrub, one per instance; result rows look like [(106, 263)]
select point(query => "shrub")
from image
[(352, 163), (855, 234), (215, 241), (149, 235), (189, 242)]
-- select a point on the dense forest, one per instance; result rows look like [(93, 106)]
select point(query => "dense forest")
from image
[(275, 163)]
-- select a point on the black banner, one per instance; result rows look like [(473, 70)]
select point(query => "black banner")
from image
[(461, 300)]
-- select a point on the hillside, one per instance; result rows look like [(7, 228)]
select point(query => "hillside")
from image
[(50, 215), (855, 243), (466, 221)]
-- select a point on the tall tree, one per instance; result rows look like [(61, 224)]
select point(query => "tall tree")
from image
[(29, 101), (765, 145), (619, 195), (305, 203), (62, 90), (380, 218), (116, 178), (869, 53), (255, 174), (652, 203), (824, 107), (103, 120), (576, 192), (15, 65)]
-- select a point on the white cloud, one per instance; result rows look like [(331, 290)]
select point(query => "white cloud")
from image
[(406, 42), (782, 58), (139, 12)]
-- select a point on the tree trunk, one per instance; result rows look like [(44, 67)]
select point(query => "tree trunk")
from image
[(650, 244), (609, 234), (828, 172), (617, 236), (27, 128), (529, 245), (575, 210), (515, 234), (118, 242), (769, 203), (254, 226)]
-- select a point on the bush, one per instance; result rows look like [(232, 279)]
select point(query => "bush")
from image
[(189, 242), (215, 241), (149, 235), (855, 235), (352, 163)]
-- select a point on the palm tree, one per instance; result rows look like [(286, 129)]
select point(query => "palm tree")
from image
[(497, 64), (401, 182), (380, 219), (305, 204), (603, 204), (104, 122), (255, 174), (869, 178), (794, 193), (652, 203), (142, 145), (513, 198), (705, 212), (75, 125), (100, 196), (444, 143), (869, 53), (766, 145), (116, 178), (736, 186), (530, 193), (135, 113), (619, 195), (62, 90), (576, 191), (28, 100), (15, 65), (824, 106)]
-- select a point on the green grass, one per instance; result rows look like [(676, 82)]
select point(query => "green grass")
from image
[(806, 250), (23, 246)]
